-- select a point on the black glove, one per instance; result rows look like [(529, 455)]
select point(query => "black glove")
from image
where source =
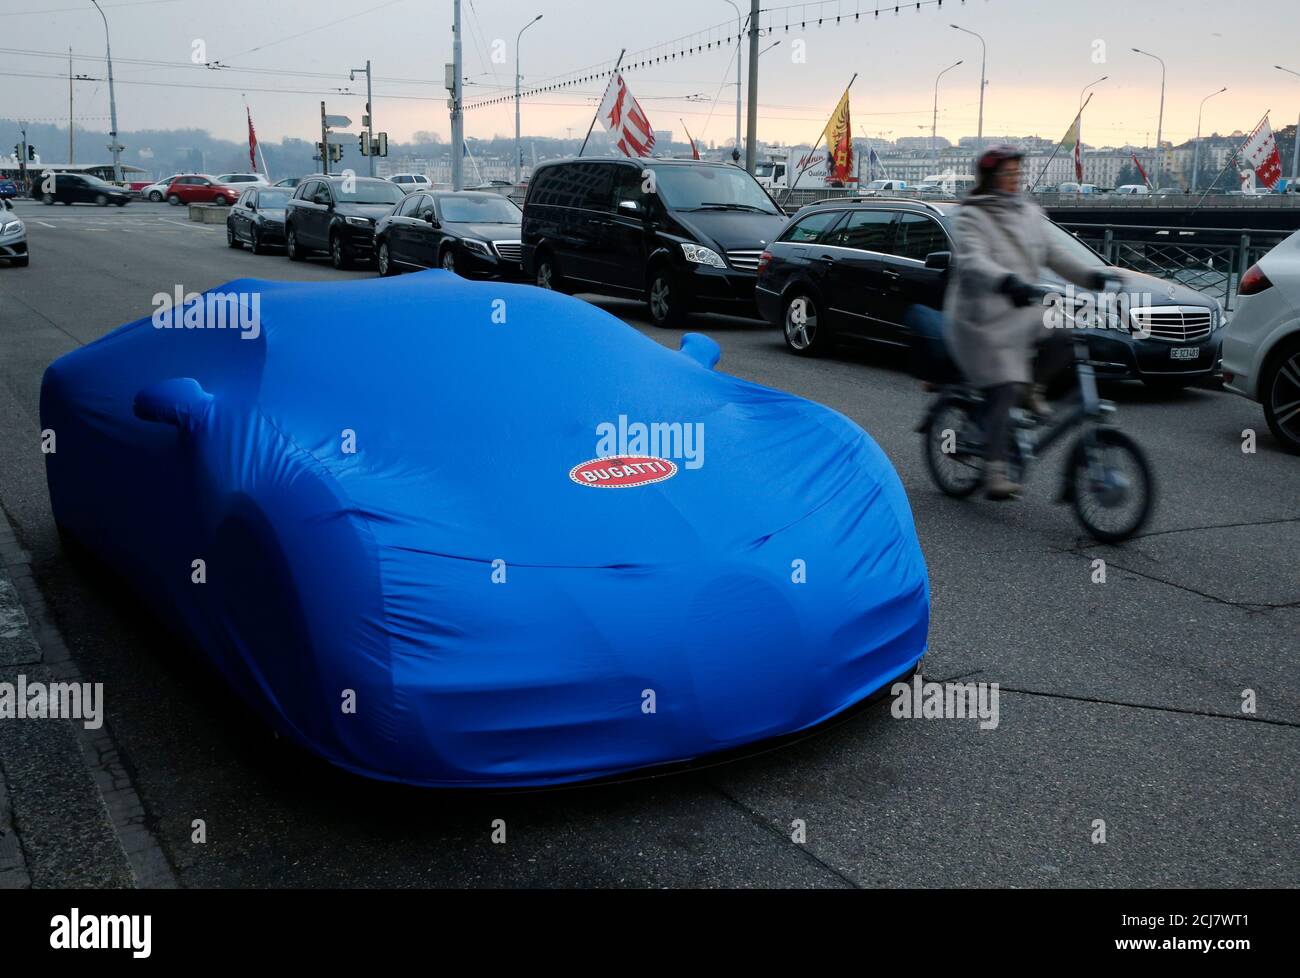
[(1101, 281), (1020, 292)]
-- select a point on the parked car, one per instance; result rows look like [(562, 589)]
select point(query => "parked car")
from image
[(257, 218), (13, 235), (81, 188), (683, 234), (242, 179), (1261, 346), (8, 188), (290, 182), (411, 182), (337, 215), (1078, 188), (201, 188), (474, 234), (884, 188), (158, 191), (877, 270)]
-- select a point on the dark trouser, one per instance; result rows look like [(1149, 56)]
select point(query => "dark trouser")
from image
[(1055, 354)]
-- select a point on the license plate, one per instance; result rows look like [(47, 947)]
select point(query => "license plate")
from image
[(1184, 352)]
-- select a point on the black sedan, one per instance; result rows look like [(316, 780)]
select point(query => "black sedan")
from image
[(473, 234), (79, 188), (257, 218)]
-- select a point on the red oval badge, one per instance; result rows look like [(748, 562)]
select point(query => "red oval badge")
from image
[(623, 471)]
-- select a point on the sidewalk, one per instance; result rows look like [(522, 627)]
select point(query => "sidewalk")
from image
[(69, 816)]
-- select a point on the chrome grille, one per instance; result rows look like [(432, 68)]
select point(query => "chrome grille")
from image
[(509, 250), (1178, 324), (746, 261)]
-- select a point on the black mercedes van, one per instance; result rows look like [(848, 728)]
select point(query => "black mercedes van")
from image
[(684, 235)]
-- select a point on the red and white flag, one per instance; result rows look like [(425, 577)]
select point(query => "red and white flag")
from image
[(252, 140), (1138, 164), (1261, 155), (621, 115)]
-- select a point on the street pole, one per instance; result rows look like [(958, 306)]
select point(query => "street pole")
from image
[(739, 60), (1295, 152), (934, 124), (1196, 149), (324, 143), (369, 126), (519, 151), (1160, 120), (979, 138), (112, 101), (751, 126), (70, 159), (1079, 131), (457, 118)]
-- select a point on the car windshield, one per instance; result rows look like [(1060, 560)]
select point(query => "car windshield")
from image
[(479, 210), (700, 188), (379, 192), (1073, 246), (272, 199)]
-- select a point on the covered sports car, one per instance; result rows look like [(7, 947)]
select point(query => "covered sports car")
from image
[(470, 534)]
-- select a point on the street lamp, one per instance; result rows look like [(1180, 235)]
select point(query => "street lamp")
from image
[(1084, 91), (979, 138), (1295, 153), (934, 124), (1196, 151), (116, 147), (369, 121), (740, 39), (1160, 121), (519, 151)]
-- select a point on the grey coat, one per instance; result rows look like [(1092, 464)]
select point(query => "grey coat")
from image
[(999, 235)]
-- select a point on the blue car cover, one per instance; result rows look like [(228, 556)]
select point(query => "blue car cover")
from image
[(479, 534)]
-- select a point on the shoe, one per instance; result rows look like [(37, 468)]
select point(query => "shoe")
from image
[(996, 484), (1036, 401)]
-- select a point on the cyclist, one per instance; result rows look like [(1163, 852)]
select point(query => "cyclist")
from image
[(1000, 343)]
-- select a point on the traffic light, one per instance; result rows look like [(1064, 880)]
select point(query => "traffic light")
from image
[(336, 152), (18, 151), (381, 144), (31, 153), (365, 143)]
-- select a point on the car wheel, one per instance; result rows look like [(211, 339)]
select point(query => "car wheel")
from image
[(1279, 390), (156, 196), (121, 203), (548, 275), (291, 245), (219, 200), (339, 256), (664, 296), (101, 200), (231, 239), (173, 200), (47, 198), (385, 261), (447, 260), (255, 242), (805, 328)]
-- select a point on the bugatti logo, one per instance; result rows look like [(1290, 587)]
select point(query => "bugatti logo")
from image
[(623, 471)]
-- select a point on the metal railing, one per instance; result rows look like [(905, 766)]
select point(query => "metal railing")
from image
[(1209, 260)]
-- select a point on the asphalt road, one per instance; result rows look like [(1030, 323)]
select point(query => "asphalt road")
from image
[(1120, 701)]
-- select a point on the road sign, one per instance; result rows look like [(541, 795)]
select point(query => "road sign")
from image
[(337, 121)]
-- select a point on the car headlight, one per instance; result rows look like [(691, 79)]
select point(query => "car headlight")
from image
[(360, 222), (476, 246), (701, 255), (12, 227)]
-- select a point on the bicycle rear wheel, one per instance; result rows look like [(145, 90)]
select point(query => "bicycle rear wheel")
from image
[(954, 467)]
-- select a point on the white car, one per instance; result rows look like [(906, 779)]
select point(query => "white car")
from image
[(240, 179), (1133, 190), (158, 191), (411, 182), (1261, 346)]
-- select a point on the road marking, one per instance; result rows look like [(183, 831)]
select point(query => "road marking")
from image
[(47, 224)]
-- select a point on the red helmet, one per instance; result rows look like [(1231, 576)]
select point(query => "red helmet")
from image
[(994, 157)]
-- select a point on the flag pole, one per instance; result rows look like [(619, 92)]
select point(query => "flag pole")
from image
[(1073, 126), (789, 191), (596, 114), (695, 153), (1231, 159)]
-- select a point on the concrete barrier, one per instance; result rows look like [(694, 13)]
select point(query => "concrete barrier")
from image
[(208, 213)]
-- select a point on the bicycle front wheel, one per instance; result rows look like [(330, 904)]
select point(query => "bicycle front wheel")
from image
[(1110, 485)]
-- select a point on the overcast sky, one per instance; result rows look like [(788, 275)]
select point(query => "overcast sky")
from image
[(1040, 54)]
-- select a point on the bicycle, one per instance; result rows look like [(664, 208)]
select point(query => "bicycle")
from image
[(1106, 479)]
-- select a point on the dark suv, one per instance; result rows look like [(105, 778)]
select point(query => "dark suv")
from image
[(337, 215), (684, 235), (877, 270)]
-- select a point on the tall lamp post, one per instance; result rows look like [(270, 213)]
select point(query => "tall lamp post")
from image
[(116, 147), (983, 64), (1160, 121), (1295, 153), (739, 41), (369, 121), (934, 124), (1196, 150), (519, 151)]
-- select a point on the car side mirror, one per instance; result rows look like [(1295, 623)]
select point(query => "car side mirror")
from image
[(432, 219), (938, 260), (630, 206), (181, 402)]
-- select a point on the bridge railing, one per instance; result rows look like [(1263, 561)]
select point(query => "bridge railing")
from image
[(1209, 260)]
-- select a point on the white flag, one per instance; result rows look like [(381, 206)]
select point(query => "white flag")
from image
[(621, 114)]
